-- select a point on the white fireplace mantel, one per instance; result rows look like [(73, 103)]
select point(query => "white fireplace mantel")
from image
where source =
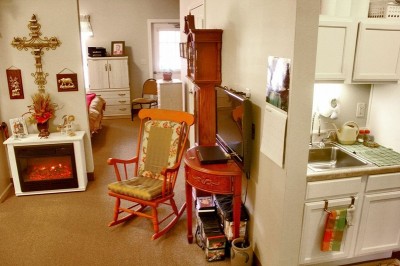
[(53, 138)]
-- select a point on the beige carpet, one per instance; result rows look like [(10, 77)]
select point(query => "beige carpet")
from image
[(387, 262), (71, 228)]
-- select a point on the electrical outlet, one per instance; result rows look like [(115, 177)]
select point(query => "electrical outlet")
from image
[(360, 110)]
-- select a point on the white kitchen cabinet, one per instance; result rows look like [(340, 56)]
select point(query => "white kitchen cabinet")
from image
[(354, 51), (335, 49), (313, 230), (109, 78), (170, 94), (379, 224), (339, 194), (377, 55)]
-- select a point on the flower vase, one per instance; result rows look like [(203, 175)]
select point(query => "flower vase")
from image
[(43, 129)]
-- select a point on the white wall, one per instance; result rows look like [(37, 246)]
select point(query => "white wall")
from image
[(348, 97), (59, 19), (122, 20), (254, 30), (384, 115)]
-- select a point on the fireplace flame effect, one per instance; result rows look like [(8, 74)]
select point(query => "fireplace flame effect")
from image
[(49, 171)]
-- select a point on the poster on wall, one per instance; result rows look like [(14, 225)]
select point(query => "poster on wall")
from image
[(67, 82), (14, 80), (278, 81)]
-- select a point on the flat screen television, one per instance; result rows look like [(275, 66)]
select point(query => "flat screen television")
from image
[(234, 126)]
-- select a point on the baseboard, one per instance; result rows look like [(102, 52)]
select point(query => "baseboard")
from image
[(6, 192)]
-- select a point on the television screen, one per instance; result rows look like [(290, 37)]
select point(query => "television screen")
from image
[(234, 125)]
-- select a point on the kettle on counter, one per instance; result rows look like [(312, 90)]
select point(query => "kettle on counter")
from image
[(348, 133)]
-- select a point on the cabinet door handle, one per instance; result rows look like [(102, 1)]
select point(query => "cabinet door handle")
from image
[(109, 67), (105, 66)]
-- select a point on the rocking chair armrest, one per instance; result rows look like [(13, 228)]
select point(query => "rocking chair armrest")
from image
[(173, 168), (113, 161), (169, 174), (121, 167)]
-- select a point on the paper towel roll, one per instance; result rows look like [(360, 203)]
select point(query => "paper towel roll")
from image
[(329, 108)]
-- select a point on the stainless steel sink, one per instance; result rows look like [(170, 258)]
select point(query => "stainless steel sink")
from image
[(330, 158)]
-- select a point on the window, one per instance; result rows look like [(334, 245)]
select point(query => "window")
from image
[(166, 47)]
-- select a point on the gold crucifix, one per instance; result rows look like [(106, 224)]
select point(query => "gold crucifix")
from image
[(36, 44)]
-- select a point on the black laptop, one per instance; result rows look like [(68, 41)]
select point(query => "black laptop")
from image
[(211, 155)]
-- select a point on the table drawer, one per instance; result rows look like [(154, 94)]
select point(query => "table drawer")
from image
[(114, 94), (122, 109), (333, 188), (117, 101), (211, 183), (385, 181)]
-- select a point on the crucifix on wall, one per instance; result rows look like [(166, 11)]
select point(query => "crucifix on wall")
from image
[(36, 44)]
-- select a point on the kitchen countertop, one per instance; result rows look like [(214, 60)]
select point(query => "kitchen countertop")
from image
[(370, 169)]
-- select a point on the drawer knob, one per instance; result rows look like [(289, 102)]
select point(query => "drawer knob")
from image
[(121, 94), (122, 101)]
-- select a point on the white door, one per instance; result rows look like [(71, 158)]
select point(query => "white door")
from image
[(378, 51), (335, 49), (98, 74), (313, 230), (164, 53), (379, 223), (118, 73)]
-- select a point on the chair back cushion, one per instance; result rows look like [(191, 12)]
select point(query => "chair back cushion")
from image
[(160, 146)]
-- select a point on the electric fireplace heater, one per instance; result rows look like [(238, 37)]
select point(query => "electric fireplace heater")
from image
[(53, 165), (46, 167)]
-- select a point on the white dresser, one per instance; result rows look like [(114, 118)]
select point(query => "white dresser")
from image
[(170, 94), (109, 78)]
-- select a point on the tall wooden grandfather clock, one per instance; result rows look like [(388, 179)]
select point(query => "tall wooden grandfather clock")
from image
[(204, 70)]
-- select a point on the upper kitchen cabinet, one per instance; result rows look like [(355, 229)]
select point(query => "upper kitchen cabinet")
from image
[(336, 41), (377, 57), (358, 51)]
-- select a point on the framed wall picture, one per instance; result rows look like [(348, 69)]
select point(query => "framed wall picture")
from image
[(67, 82), (18, 127), (14, 81), (118, 48)]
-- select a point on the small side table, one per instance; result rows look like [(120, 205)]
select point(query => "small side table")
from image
[(215, 179), (170, 94)]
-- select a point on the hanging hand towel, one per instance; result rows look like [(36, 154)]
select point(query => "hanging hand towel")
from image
[(334, 228)]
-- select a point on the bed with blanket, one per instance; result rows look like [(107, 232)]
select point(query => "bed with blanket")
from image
[(96, 106)]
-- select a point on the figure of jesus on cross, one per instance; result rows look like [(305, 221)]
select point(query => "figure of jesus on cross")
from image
[(36, 44)]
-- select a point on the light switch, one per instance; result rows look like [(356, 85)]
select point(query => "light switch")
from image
[(360, 110)]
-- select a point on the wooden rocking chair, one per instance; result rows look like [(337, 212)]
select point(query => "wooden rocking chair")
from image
[(148, 179)]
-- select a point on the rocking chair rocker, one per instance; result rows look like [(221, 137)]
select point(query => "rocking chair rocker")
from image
[(149, 178)]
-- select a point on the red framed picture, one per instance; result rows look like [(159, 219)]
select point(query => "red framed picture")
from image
[(67, 82), (14, 80)]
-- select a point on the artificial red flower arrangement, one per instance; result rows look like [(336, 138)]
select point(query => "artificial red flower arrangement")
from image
[(42, 108)]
